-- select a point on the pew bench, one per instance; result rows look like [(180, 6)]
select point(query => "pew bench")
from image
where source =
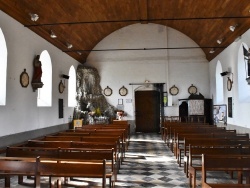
[(169, 130), (69, 154), (238, 163), (58, 168), (75, 144), (181, 152), (194, 130), (54, 169), (179, 146), (179, 141), (193, 164), (19, 166), (92, 138)]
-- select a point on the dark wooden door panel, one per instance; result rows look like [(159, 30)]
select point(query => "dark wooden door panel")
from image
[(147, 106)]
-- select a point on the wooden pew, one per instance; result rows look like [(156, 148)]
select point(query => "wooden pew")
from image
[(208, 141), (98, 145), (239, 163), (228, 134), (189, 129), (168, 135), (18, 166), (195, 153), (88, 155), (91, 138), (167, 125), (101, 132), (74, 144), (74, 169), (63, 138), (193, 130), (212, 135), (104, 139), (108, 126)]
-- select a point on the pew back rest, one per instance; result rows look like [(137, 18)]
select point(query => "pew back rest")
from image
[(197, 151), (224, 163), (18, 165), (31, 152), (72, 168), (63, 138), (49, 144)]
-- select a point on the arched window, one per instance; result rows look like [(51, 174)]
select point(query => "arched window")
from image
[(72, 87), (219, 84), (44, 97), (3, 68), (243, 87)]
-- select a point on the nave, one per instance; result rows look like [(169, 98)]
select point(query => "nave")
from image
[(148, 163)]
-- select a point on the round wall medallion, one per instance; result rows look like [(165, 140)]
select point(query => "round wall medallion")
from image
[(229, 84), (123, 91), (192, 89), (174, 90), (61, 87), (24, 79), (107, 91)]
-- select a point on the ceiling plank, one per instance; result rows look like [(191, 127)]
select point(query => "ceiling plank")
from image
[(143, 10)]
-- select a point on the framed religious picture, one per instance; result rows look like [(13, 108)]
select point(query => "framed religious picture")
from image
[(220, 114)]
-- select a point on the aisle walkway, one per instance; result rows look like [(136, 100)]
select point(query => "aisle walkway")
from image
[(149, 163)]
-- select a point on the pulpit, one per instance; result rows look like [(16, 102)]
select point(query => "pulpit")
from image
[(196, 110)]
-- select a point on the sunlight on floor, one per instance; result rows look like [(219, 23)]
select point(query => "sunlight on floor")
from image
[(143, 140), (149, 157)]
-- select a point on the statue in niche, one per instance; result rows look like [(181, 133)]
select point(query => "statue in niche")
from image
[(89, 96), (37, 75)]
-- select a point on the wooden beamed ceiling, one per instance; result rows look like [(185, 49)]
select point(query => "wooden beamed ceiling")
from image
[(84, 23)]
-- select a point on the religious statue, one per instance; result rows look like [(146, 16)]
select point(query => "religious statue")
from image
[(37, 75)]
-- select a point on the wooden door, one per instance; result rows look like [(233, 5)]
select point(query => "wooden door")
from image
[(147, 111)]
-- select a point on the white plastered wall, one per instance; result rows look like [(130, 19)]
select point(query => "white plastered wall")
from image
[(229, 61), (21, 114), (173, 67)]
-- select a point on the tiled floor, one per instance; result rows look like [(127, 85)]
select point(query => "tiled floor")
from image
[(148, 163)]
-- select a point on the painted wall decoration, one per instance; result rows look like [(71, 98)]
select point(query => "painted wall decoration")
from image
[(196, 107), (220, 114)]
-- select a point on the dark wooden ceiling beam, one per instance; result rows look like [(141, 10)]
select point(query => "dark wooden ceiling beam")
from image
[(78, 21), (143, 10)]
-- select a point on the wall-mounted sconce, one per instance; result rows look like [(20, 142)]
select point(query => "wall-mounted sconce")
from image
[(52, 34), (233, 27), (69, 45), (219, 41), (212, 51), (34, 17), (225, 73), (229, 80), (65, 76)]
